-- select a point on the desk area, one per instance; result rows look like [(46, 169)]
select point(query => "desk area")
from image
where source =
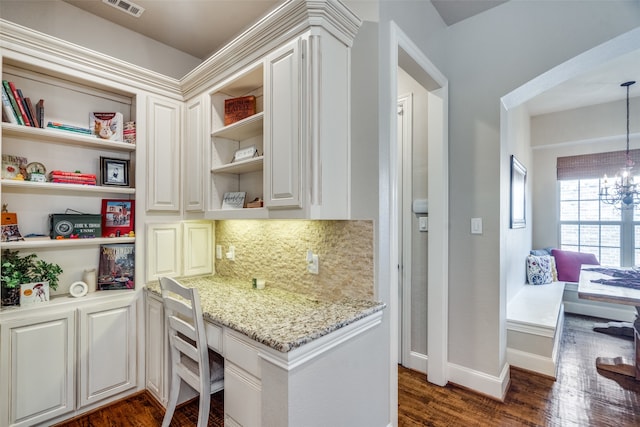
[(619, 286), (288, 357)]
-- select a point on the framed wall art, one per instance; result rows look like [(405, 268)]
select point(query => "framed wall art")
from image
[(518, 196), (118, 217), (114, 172)]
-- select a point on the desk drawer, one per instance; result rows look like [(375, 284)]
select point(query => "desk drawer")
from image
[(214, 337), (240, 352)]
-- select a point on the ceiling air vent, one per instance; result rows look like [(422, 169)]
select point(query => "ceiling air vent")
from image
[(126, 6)]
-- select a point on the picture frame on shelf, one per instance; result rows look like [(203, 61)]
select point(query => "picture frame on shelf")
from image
[(118, 217), (12, 166), (518, 195), (245, 154), (233, 200), (114, 172)]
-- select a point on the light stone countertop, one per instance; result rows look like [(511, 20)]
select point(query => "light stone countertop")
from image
[(278, 318)]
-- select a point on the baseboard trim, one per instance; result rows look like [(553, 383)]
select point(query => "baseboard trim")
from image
[(494, 387)]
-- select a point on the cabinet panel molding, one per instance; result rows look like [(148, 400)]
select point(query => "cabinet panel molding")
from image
[(283, 142), (163, 154), (194, 157), (198, 247), (107, 343), (33, 391), (164, 250)]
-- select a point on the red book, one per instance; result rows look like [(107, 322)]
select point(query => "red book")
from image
[(23, 113), (32, 112), (64, 173)]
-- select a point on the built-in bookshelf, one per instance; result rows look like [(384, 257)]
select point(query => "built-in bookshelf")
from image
[(229, 174), (68, 99)]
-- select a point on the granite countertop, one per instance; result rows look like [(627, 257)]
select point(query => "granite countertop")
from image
[(275, 317)]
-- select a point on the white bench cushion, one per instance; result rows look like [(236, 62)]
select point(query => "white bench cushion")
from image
[(536, 305)]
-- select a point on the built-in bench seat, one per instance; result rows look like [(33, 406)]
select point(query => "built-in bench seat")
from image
[(535, 318)]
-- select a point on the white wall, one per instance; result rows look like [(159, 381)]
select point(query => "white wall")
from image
[(587, 130), (74, 25), (516, 242), (489, 55)]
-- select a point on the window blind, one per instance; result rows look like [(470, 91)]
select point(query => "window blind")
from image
[(589, 166)]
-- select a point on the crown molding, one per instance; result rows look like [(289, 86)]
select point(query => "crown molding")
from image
[(290, 19), (56, 56)]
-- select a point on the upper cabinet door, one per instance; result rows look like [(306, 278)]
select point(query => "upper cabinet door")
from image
[(163, 154), (193, 149), (283, 138)]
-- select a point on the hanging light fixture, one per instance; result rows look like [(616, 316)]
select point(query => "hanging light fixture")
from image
[(623, 192)]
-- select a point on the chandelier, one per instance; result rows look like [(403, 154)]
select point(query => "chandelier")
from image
[(623, 192)]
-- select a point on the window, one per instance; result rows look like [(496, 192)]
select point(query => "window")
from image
[(588, 225)]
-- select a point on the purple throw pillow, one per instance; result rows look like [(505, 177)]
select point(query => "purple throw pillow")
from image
[(568, 263)]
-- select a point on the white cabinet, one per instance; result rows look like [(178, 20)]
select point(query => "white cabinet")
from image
[(164, 117), (283, 141), (157, 373), (242, 384), (107, 350), (179, 249), (37, 366), (62, 358), (300, 129), (194, 156), (197, 247)]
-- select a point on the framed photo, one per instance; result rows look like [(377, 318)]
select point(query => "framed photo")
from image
[(118, 217), (233, 200), (518, 198), (245, 154), (114, 171)]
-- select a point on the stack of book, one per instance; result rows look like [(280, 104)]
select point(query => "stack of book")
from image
[(18, 109), (69, 128), (72, 178)]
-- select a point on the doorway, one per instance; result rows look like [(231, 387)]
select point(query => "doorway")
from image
[(414, 63)]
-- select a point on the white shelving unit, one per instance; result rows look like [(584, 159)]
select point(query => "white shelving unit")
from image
[(68, 99), (245, 175)]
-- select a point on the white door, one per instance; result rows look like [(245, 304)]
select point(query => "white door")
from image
[(282, 134), (107, 350), (37, 368)]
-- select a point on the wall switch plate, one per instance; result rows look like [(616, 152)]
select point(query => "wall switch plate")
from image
[(476, 225), (219, 251), (423, 223)]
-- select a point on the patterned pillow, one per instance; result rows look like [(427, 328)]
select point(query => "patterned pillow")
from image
[(539, 271)]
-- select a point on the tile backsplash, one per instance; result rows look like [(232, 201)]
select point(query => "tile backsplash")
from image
[(276, 250)]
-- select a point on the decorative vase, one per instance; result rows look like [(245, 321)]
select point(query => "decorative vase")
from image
[(10, 296)]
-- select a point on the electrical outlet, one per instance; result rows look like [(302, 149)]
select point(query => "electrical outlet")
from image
[(313, 263), (231, 255), (218, 251)]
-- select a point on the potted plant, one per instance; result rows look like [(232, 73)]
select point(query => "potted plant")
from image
[(16, 270)]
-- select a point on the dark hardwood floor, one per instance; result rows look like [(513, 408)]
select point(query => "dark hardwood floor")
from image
[(581, 396)]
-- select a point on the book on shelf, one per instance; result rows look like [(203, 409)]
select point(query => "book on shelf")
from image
[(25, 106), (107, 125), (116, 266), (18, 99), (8, 115), (63, 177), (14, 104), (69, 128), (40, 112), (32, 112)]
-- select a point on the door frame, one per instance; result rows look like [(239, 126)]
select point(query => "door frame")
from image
[(403, 49)]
